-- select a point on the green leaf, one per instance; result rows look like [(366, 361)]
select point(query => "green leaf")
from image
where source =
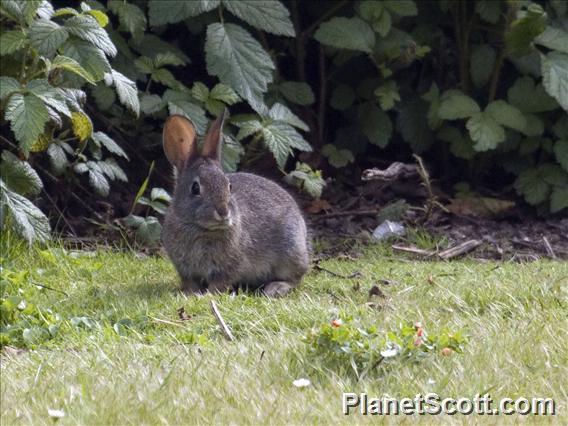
[(167, 58), (560, 128), (150, 104), (561, 152), (82, 125), (225, 94), (485, 131), (239, 61), (112, 170), (559, 199), (188, 109), (145, 65), (103, 139), (165, 77), (47, 36), (377, 15), (163, 12), (200, 91), (282, 113), (297, 92), (375, 124), (248, 128), (280, 138), (401, 7), (57, 158), (460, 146), (160, 194), (130, 16), (455, 105), (73, 66), (100, 16), (8, 85), (306, 179), (342, 97), (27, 115), (231, 153), (531, 185), (104, 96), (268, 15), (346, 33), (387, 94), (337, 157), (12, 41), (534, 126), (481, 64), (54, 97), (27, 220), (555, 77), (97, 178), (149, 231), (489, 10), (412, 123), (87, 28), (90, 57), (553, 38), (528, 97), (522, 32), (507, 115), (19, 175), (127, 91)]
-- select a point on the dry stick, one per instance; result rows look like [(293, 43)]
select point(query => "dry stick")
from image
[(460, 249), (226, 331), (413, 250), (548, 248)]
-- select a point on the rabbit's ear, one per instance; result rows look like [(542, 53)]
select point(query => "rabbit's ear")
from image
[(180, 142), (212, 143)]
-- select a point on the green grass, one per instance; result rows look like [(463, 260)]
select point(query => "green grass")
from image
[(163, 370)]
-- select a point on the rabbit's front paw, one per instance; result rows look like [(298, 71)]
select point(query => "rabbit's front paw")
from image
[(277, 289), (219, 286), (191, 286)]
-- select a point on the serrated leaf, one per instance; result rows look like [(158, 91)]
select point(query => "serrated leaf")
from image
[(27, 220), (52, 96), (127, 91), (27, 115), (100, 16), (280, 138), (150, 104), (239, 61), (376, 125), (200, 91), (149, 231), (306, 179), (90, 57), (455, 105), (192, 111), (387, 94), (231, 153), (507, 115), (481, 65), (82, 126), (165, 77), (342, 97), (528, 97), (57, 158), (531, 185), (167, 58), (378, 15), (555, 77), (401, 7), (73, 66), (248, 128), (489, 10), (160, 194), (47, 36), (559, 199), (337, 157), (522, 32), (112, 170), (133, 221), (8, 85), (104, 140), (104, 96), (225, 94), (12, 41), (553, 38), (163, 12), (87, 28), (485, 131), (19, 175), (346, 33), (97, 179), (268, 15), (297, 92), (130, 16), (282, 113)]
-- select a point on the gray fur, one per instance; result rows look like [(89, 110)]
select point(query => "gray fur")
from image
[(264, 246)]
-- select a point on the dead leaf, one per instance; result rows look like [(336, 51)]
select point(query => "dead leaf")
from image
[(183, 315), (376, 291), (318, 205), (484, 207)]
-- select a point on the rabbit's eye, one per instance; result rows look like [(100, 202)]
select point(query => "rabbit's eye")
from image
[(195, 190)]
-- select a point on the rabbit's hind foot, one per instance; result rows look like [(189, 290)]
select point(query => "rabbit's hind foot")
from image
[(277, 289)]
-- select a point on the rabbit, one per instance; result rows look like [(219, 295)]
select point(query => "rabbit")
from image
[(228, 230)]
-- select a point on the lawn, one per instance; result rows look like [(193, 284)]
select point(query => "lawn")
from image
[(122, 353)]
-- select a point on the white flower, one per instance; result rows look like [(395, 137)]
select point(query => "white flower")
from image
[(391, 350), (57, 414), (301, 383)]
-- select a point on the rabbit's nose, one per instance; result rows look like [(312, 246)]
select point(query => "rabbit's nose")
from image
[(221, 213)]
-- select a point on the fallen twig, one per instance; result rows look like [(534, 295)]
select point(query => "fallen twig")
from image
[(51, 288), (394, 171), (460, 249), (413, 250), (335, 274), (226, 331), (548, 248)]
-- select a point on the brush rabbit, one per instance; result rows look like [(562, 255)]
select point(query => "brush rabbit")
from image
[(224, 230)]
